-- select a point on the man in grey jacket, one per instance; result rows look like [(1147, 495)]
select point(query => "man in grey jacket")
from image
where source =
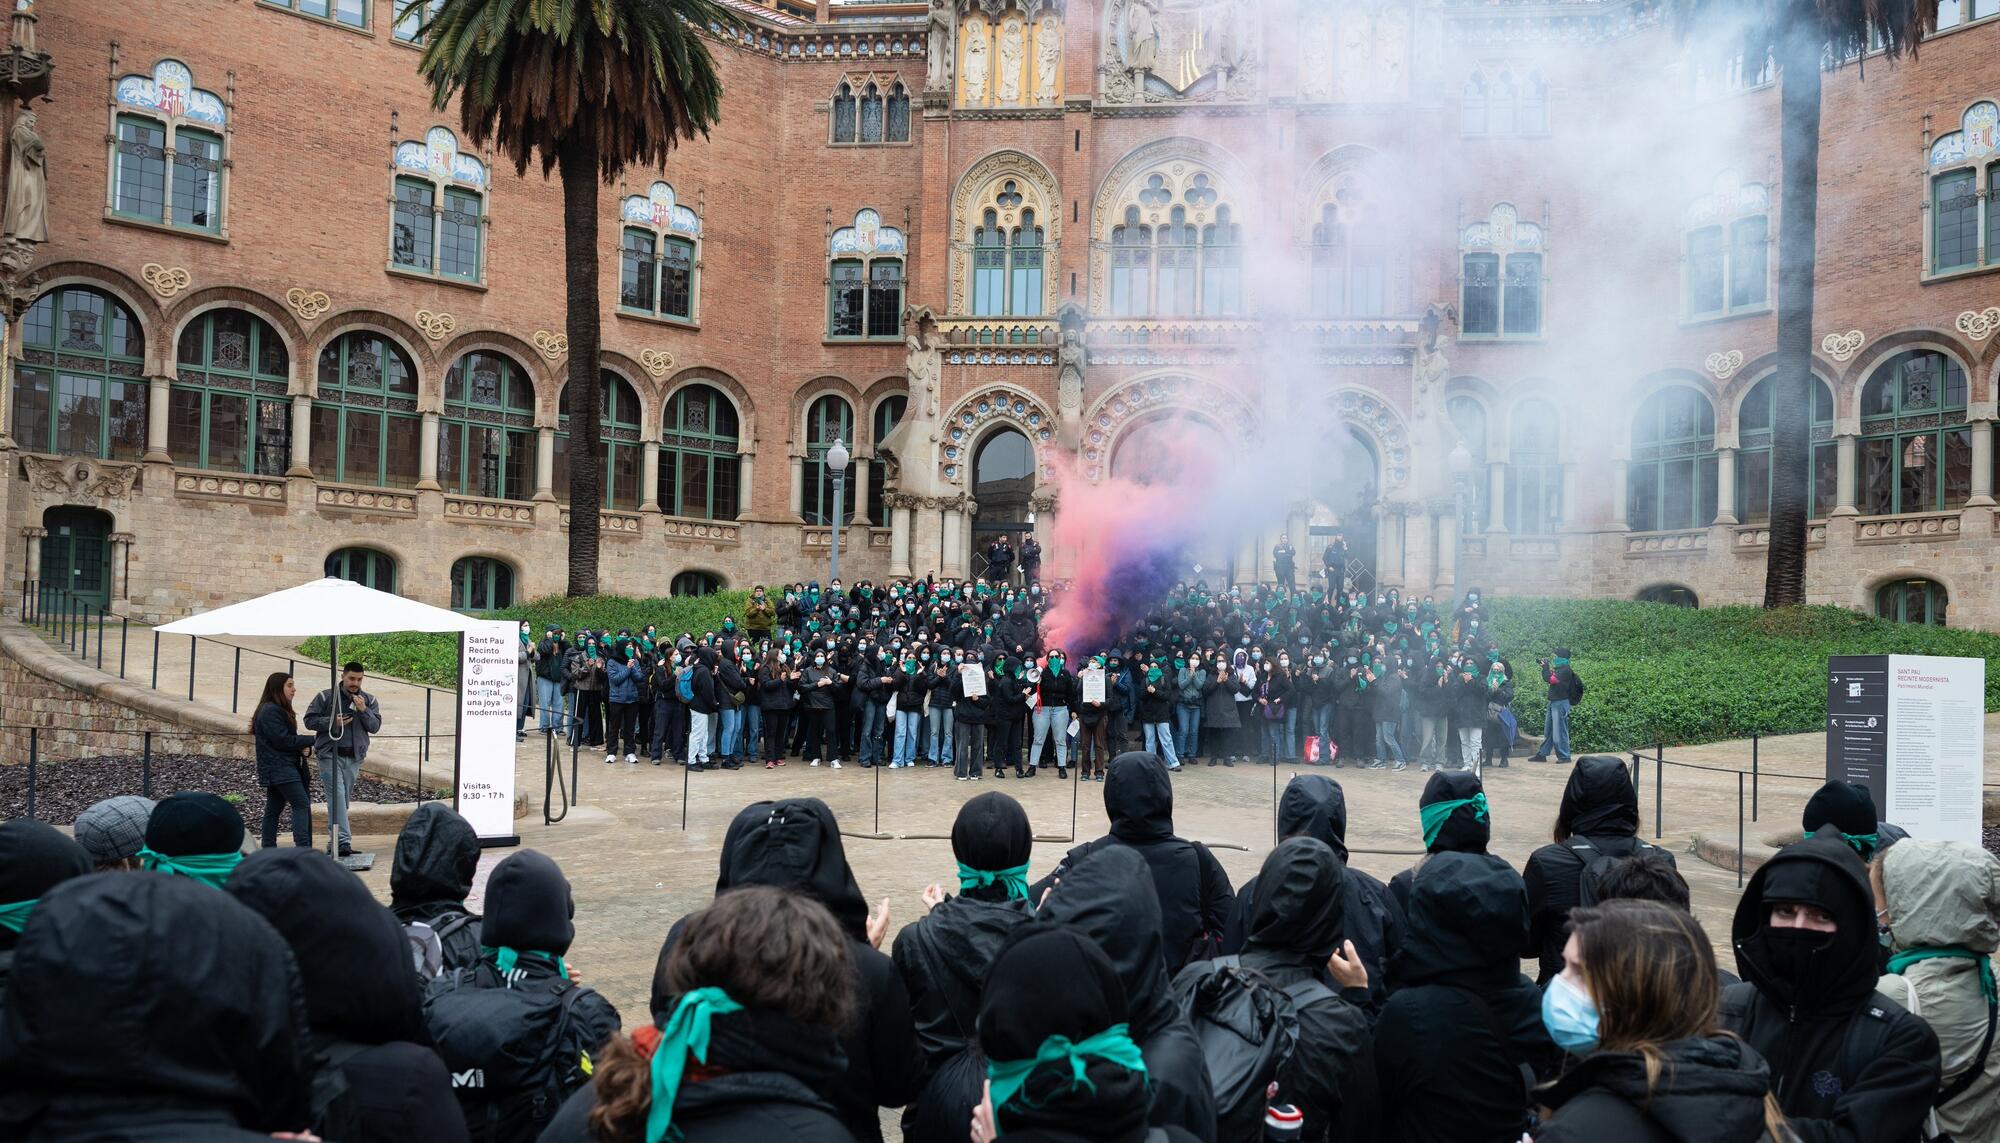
[(341, 727)]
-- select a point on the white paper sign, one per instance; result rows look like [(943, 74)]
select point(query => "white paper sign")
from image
[(1937, 746), (974, 677), (1093, 686), (487, 695)]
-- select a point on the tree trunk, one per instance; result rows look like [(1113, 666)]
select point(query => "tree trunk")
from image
[(578, 163), (1799, 51)]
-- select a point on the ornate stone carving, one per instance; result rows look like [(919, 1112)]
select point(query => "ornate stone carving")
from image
[(1434, 345), (1026, 413), (656, 362), (1979, 324), (231, 487), (1037, 190), (1070, 359), (488, 511), (1723, 366), (939, 39), (165, 280), (1374, 416), (27, 217), (922, 360), (551, 345), (434, 325), (1842, 346), (1117, 408), (308, 304), (80, 481), (368, 500)]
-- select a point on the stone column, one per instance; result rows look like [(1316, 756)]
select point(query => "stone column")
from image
[(1496, 497), (1845, 447), (746, 483), (1618, 498), (545, 464), (857, 493), (649, 476), (796, 505), (899, 536), (1725, 486), (156, 419), (10, 331), (952, 561), (33, 568), (427, 455), (121, 550), (302, 449), (1448, 553), (1395, 564), (1416, 533), (1982, 458)]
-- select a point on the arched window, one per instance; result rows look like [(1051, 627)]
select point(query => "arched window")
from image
[(364, 566), (1913, 601), (480, 583), (1349, 262), (865, 279), (871, 114), (1753, 456), (1468, 420), (1221, 266), (1131, 266), (699, 468), (1533, 116), (1728, 248), (989, 267), (486, 438), (1671, 594), (1025, 269), (694, 583), (1174, 255), (619, 418), (1965, 192), (96, 404), (899, 113), (1006, 248), (1501, 280), (843, 114), (1671, 477), (830, 419), (365, 424), (659, 256), (1916, 447), (1534, 470), (888, 411), (439, 216), (1195, 262), (1500, 104), (1472, 116), (228, 409), (167, 156)]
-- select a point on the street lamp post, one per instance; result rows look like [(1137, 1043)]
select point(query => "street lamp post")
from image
[(1461, 481), (836, 460)]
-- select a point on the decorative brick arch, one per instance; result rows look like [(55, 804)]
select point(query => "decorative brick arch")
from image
[(976, 188), (1376, 419), (979, 415), (269, 310), (430, 381), (545, 378), (1120, 407), (1180, 159), (731, 390), (130, 294)]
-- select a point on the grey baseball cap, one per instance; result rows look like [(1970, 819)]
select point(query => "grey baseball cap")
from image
[(115, 828)]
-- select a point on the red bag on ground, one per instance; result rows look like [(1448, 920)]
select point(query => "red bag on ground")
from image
[(1312, 748)]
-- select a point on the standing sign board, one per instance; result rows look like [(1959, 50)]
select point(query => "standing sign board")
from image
[(488, 662), (1911, 728)]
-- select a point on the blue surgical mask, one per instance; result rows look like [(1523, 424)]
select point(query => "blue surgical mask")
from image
[(1570, 1017)]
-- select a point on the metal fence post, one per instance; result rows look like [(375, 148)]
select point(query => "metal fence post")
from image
[(1754, 775), (156, 658), (124, 637), (1739, 829), (100, 639), (235, 680), (194, 644), (1659, 788), (146, 767), (34, 755)]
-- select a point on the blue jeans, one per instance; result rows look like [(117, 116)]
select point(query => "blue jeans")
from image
[(1323, 726), (1160, 740), (1387, 745), (1045, 720), (1274, 738), (940, 730), (1557, 731), (551, 709), (1187, 727), (729, 737), (753, 724), (909, 727), (873, 714), (1291, 732)]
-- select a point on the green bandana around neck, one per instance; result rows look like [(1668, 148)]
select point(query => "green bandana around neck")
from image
[(1015, 879), (1864, 844), (1559, 663), (211, 869), (1908, 957), (505, 958), (14, 917), (1113, 1044), (1434, 815), (686, 1034)]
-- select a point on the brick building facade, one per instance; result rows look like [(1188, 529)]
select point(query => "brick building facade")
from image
[(290, 322)]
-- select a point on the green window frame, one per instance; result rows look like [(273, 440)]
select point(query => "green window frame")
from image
[(1955, 205), (413, 224), (1916, 441), (80, 388), (885, 298), (459, 234), (638, 270), (656, 275), (1914, 600), (365, 426), (437, 229), (139, 176), (1749, 263), (1671, 478), (989, 267), (348, 13), (1534, 470), (1707, 272), (229, 408), (694, 583), (481, 583), (196, 178), (846, 299), (700, 469), (829, 419), (1222, 266), (365, 566), (1753, 454), (864, 300), (411, 17), (486, 436), (619, 429)]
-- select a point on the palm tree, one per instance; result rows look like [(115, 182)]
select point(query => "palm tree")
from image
[(1801, 37), (589, 86)]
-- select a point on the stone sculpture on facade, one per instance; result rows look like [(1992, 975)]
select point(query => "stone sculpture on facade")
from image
[(1048, 52), (1069, 386), (1012, 53), (975, 62), (938, 54)]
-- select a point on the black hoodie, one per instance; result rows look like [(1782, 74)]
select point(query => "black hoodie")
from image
[(795, 844), (1460, 1042), (1464, 831), (35, 857), (1313, 805), (1710, 1091), (1601, 809), (1107, 897), (1193, 890), (436, 857), (1846, 1063), (155, 1009), (362, 1002)]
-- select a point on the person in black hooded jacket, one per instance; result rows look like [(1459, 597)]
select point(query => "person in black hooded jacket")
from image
[(149, 1009), (1314, 805), (35, 857), (436, 856), (1194, 893), (1598, 818), (1048, 983), (1460, 1043), (1108, 898), (364, 1012), (944, 959), (795, 844), (1465, 828), (1847, 810), (1847, 1064)]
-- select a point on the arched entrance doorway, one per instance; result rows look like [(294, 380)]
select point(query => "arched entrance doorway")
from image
[(76, 553), (1003, 480), (1345, 486), (1181, 451)]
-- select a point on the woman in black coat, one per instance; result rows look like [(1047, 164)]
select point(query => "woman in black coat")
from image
[(281, 767), (1598, 818)]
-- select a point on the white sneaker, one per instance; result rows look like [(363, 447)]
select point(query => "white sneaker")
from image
[(836, 763), (632, 758), (610, 758), (815, 762)]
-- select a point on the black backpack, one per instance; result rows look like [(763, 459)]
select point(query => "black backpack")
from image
[(336, 1113), (513, 1054), (1248, 1028), (1595, 863)]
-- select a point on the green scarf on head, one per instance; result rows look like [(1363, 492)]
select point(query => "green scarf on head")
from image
[(1113, 1044), (1908, 957), (505, 959), (1015, 879), (1434, 815), (686, 1034), (1864, 844), (211, 869), (14, 917)]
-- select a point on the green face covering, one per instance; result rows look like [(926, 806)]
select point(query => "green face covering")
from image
[(1113, 1044), (1015, 879), (1864, 844), (14, 917), (505, 959), (1559, 663), (1434, 815), (1908, 957), (211, 869), (687, 1034)]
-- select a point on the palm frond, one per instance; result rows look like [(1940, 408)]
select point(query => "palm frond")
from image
[(1845, 28)]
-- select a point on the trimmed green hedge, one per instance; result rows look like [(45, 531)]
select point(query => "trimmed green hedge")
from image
[(1657, 673), (433, 659)]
